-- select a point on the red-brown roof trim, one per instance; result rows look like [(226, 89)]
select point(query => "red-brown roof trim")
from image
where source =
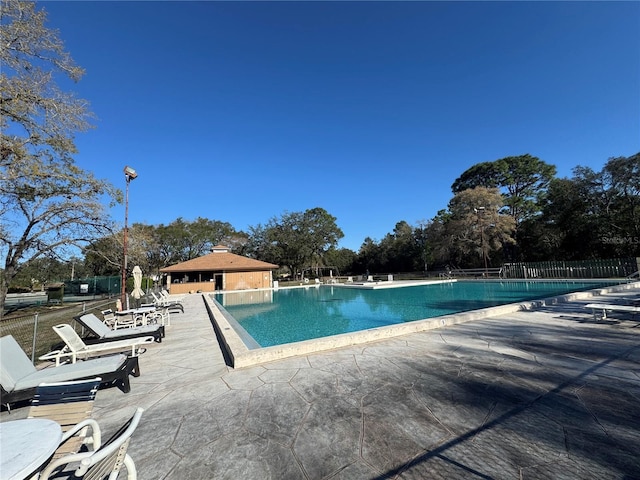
[(218, 261)]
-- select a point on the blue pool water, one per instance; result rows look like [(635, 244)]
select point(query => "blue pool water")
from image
[(291, 315)]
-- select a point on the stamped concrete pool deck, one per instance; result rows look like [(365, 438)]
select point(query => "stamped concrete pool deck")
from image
[(548, 393)]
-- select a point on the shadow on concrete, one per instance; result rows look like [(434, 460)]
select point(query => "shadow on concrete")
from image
[(601, 446)]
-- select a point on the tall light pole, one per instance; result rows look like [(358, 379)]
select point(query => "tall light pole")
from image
[(129, 174)]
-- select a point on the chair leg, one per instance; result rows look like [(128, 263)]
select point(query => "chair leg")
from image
[(124, 384), (135, 371), (132, 473)]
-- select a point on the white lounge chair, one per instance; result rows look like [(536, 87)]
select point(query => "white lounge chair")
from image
[(19, 378), (160, 301), (106, 334), (171, 298), (604, 307), (106, 460), (75, 348)]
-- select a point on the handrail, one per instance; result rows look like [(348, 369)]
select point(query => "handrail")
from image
[(496, 271)]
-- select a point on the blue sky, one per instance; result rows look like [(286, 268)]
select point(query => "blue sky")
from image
[(242, 111)]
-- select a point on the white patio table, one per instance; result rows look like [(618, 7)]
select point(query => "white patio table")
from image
[(26, 446)]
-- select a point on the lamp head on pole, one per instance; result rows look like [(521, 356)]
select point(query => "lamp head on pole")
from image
[(130, 173)]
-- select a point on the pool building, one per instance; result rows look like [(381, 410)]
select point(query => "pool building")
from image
[(219, 270)]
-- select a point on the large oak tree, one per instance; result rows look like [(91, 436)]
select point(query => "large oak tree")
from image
[(475, 228), (48, 204), (593, 214), (523, 180), (295, 240)]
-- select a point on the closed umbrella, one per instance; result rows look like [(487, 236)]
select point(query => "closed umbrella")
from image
[(137, 283)]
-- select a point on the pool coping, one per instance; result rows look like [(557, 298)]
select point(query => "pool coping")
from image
[(382, 284), (240, 356)]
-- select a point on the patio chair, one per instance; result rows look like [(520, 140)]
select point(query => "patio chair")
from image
[(19, 378), (113, 321), (162, 316), (160, 301), (106, 334), (175, 298), (105, 462), (75, 348), (68, 403)]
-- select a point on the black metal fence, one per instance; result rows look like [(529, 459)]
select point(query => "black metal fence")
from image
[(613, 268)]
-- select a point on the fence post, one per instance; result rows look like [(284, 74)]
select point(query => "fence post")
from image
[(35, 331)]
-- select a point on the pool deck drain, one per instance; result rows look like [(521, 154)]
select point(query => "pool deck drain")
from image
[(533, 394)]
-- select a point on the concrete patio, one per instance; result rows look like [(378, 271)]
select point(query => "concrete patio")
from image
[(541, 394)]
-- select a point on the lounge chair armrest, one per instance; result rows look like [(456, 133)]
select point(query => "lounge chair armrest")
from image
[(52, 355), (96, 435), (57, 355)]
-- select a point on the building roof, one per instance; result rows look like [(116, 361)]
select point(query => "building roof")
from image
[(219, 260)]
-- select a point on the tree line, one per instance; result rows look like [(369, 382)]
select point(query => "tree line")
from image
[(510, 210), (53, 215)]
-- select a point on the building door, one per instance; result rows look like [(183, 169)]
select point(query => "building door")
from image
[(218, 278)]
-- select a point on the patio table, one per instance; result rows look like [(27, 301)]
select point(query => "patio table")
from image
[(26, 446)]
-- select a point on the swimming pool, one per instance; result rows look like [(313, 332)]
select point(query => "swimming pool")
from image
[(277, 317)]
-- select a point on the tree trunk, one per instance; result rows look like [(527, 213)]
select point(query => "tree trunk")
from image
[(4, 288)]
